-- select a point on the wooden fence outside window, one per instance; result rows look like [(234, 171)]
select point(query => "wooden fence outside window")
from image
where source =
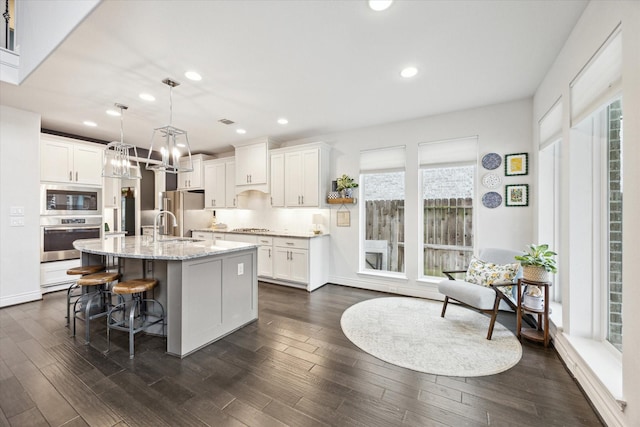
[(448, 233)]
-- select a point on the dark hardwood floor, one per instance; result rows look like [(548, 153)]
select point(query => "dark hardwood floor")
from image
[(292, 367)]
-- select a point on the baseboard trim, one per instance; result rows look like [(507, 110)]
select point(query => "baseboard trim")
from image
[(20, 298), (426, 290)]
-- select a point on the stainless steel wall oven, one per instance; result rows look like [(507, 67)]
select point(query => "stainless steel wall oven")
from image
[(57, 234)]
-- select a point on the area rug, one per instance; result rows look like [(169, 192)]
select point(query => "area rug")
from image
[(409, 332)]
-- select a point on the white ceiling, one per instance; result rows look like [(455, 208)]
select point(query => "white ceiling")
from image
[(327, 66)]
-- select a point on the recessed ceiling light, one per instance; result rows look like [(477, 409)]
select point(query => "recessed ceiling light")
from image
[(90, 123), (192, 75), (380, 5), (241, 131), (113, 113), (147, 97), (409, 72), (283, 121)]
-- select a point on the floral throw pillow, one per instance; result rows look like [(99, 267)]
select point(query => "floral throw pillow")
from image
[(485, 273)]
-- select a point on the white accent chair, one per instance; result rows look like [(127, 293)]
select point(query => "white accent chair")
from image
[(485, 299)]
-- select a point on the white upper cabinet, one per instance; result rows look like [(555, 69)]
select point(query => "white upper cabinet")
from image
[(192, 180), (219, 184), (65, 160), (277, 180), (252, 165), (230, 184), (300, 175)]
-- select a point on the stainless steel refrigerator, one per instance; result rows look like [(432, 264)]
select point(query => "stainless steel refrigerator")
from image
[(189, 211)]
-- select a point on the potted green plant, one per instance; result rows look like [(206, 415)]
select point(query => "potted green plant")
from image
[(537, 263), (345, 185)]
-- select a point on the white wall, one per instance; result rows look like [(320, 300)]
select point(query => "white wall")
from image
[(597, 22), (504, 129), (48, 24), (19, 187)]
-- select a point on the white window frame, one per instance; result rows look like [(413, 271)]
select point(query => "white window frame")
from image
[(377, 161), (421, 242)]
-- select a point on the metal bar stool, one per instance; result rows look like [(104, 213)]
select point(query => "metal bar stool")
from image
[(99, 298), (71, 291), (132, 315)]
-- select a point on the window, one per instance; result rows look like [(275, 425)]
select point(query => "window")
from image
[(596, 235), (382, 182), (447, 182), (595, 195), (549, 186)]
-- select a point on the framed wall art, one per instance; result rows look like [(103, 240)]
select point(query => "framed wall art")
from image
[(516, 164), (517, 195), (343, 218)]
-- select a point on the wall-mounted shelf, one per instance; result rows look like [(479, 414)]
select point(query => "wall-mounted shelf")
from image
[(344, 201)]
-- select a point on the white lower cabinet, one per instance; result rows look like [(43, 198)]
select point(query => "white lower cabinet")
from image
[(291, 264), (54, 277), (265, 256), (300, 262)]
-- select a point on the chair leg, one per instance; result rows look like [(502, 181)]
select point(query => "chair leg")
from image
[(70, 290), (494, 316), (444, 306), (132, 315)]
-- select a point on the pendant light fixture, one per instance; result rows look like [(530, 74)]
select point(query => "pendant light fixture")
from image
[(117, 155), (172, 144)]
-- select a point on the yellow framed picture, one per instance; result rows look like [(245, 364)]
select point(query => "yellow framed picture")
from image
[(516, 164)]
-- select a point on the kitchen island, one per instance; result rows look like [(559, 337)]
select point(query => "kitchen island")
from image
[(208, 289)]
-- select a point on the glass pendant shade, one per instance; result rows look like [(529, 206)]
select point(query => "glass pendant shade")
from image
[(117, 159), (171, 144)]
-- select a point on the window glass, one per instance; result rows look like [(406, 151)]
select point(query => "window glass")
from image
[(383, 246), (614, 226), (447, 215)]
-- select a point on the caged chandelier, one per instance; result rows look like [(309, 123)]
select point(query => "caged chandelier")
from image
[(171, 143), (117, 156)]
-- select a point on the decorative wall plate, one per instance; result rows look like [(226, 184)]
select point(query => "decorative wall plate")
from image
[(491, 161), (491, 199), (491, 180)]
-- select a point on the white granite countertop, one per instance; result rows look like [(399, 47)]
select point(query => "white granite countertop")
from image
[(169, 248), (305, 235)]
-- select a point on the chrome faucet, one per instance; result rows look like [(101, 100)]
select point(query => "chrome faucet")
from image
[(155, 223)]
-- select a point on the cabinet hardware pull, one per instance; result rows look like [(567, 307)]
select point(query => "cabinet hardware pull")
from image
[(76, 176), (70, 176), (212, 202), (302, 198), (289, 243), (269, 253)]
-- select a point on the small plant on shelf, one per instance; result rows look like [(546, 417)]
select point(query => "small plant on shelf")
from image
[(345, 185)]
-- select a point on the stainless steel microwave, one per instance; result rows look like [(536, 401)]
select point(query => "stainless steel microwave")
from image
[(70, 200)]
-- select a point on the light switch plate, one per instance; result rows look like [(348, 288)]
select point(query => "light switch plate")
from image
[(17, 210), (17, 221), (240, 269)]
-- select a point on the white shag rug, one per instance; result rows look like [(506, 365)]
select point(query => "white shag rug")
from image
[(409, 332)]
